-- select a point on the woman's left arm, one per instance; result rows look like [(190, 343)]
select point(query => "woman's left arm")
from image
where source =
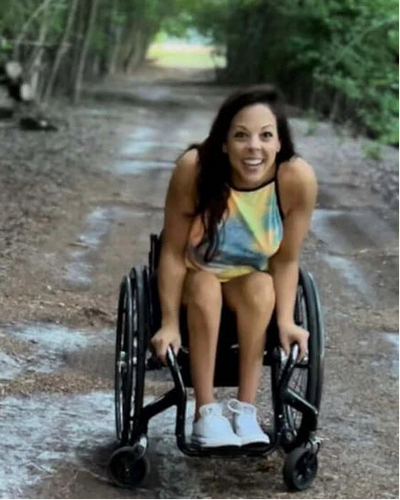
[(298, 193)]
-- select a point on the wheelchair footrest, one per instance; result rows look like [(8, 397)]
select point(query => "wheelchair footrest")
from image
[(227, 451)]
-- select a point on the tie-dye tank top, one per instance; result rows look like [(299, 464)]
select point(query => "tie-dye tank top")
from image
[(249, 234)]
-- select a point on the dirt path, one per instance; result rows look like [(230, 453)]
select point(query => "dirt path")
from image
[(77, 208)]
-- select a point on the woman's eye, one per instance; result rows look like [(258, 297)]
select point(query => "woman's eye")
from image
[(239, 135), (266, 135)]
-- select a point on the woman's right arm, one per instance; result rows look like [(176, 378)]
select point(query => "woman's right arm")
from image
[(180, 203)]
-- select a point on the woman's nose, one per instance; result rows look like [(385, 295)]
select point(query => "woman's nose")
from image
[(254, 142)]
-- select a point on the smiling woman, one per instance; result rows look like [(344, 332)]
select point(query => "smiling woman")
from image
[(252, 145), (237, 211)]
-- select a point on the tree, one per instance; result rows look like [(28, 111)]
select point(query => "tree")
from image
[(62, 47), (84, 50), (339, 57)]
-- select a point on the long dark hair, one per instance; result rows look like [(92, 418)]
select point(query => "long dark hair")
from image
[(214, 166)]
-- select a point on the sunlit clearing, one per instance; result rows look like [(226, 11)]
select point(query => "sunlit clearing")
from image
[(185, 55)]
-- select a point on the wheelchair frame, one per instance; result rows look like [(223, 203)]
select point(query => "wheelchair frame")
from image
[(139, 318)]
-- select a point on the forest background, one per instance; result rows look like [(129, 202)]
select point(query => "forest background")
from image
[(337, 59)]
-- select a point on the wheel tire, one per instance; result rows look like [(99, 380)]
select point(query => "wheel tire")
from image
[(123, 367), (307, 376), (130, 356), (300, 469), (128, 466)]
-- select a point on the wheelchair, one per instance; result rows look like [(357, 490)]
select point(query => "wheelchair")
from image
[(296, 386)]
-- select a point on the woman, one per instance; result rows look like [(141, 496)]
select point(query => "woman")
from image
[(238, 208)]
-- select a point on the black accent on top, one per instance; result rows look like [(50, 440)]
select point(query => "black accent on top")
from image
[(251, 189), (278, 198)]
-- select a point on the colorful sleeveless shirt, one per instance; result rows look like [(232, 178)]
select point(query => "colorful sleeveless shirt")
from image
[(250, 232)]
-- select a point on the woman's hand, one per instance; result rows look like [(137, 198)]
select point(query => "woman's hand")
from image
[(290, 333), (166, 336)]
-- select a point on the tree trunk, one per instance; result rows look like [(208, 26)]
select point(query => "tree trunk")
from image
[(112, 35), (24, 30), (83, 53), (34, 67), (335, 106), (62, 48), (133, 59), (77, 37), (115, 51)]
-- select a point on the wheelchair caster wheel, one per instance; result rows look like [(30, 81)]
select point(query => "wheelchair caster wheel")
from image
[(300, 468), (128, 466)]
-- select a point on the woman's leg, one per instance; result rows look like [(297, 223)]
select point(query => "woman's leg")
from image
[(252, 298), (203, 298)]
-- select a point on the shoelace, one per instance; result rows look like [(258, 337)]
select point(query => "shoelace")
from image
[(210, 410), (237, 407)]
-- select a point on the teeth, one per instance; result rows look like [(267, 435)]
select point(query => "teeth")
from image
[(253, 163)]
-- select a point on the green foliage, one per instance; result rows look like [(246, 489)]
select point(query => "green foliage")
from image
[(372, 151), (123, 30), (337, 56)]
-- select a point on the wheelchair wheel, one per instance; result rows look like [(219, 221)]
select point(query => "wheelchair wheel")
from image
[(300, 469), (130, 356), (129, 465), (307, 375)]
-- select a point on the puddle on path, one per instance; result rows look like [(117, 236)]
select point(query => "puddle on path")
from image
[(345, 231), (44, 432), (9, 367), (142, 134), (41, 432), (139, 148), (51, 347), (97, 225), (350, 232), (77, 271), (134, 167), (351, 274), (393, 340)]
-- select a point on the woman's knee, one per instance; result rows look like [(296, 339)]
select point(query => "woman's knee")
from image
[(203, 291), (258, 291)]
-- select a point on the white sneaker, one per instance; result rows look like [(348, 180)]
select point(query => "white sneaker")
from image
[(245, 423), (212, 429)]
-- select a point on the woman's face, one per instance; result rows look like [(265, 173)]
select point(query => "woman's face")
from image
[(252, 145)]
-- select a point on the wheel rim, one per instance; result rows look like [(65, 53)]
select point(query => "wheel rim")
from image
[(305, 469), (130, 356), (134, 359), (126, 469), (124, 363), (120, 363), (135, 472)]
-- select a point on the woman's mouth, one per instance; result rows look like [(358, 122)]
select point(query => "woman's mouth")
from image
[(252, 164)]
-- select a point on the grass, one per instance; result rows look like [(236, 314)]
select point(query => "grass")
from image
[(372, 151), (185, 56)]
